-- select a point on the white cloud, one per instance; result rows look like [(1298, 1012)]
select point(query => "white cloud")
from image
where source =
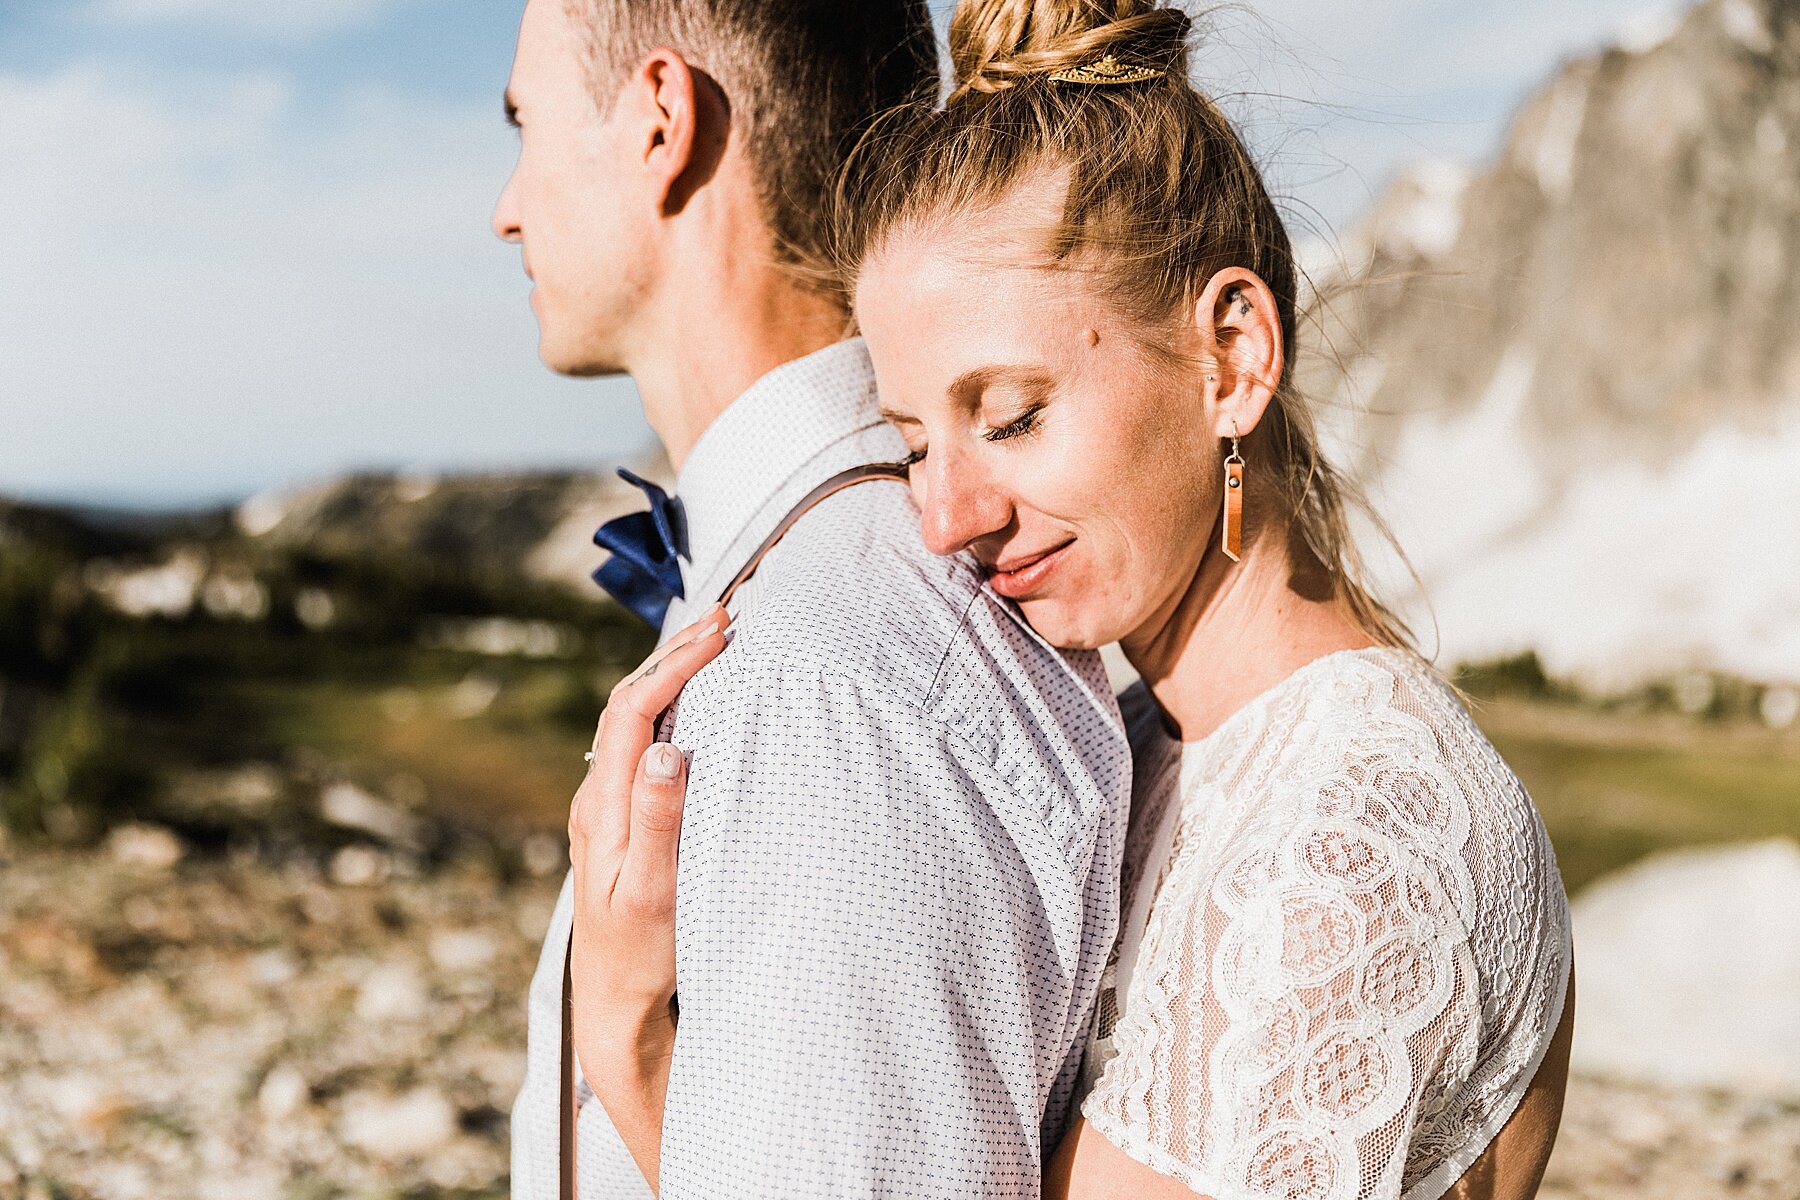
[(275, 19), (204, 294), (1605, 578)]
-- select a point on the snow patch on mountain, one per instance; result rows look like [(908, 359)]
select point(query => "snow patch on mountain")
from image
[(1613, 575)]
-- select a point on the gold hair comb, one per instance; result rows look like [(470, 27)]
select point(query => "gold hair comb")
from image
[(1106, 71)]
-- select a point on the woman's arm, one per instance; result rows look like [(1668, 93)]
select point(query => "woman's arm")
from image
[(624, 829), (1088, 1167), (624, 959)]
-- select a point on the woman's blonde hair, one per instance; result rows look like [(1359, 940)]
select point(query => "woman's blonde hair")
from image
[(1161, 195)]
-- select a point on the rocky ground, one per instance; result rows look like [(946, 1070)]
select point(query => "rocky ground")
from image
[(1620, 1140), (172, 1027), (232, 1030)]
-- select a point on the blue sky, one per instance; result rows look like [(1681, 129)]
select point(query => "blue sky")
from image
[(244, 243)]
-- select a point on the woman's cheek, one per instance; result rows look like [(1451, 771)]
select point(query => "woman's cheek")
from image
[(1076, 467)]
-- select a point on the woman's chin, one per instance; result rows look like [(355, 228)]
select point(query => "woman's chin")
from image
[(1068, 626)]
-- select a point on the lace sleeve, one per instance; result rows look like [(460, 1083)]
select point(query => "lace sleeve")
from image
[(1296, 1014)]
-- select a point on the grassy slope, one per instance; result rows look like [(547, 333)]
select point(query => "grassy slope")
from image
[(508, 769), (1612, 787)]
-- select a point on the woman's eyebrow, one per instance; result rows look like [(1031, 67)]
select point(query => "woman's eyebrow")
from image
[(978, 379)]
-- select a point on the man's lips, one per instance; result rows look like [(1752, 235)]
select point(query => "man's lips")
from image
[(1019, 576)]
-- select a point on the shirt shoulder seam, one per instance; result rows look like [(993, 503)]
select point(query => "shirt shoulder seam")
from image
[(962, 623)]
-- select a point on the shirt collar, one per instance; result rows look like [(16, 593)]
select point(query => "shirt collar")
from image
[(766, 447)]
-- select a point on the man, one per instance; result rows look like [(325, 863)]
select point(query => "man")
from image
[(904, 817)]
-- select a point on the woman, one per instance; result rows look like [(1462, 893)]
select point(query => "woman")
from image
[(1345, 963)]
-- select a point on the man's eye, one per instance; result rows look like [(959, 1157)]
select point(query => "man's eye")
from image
[(913, 459)]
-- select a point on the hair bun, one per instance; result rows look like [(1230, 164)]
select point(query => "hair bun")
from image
[(994, 44)]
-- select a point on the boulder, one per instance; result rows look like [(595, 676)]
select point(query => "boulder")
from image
[(141, 845)]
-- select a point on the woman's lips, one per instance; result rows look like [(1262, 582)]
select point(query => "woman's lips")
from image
[(1026, 575)]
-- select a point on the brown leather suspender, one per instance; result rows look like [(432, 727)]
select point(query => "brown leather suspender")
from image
[(565, 1124), (566, 1113), (830, 487)]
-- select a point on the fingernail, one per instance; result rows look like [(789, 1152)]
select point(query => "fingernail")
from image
[(663, 762), (708, 632)]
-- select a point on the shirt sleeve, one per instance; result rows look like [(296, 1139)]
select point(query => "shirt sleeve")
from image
[(865, 968), (1295, 1016)]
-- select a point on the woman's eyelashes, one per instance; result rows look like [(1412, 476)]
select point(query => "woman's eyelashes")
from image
[(1025, 423)]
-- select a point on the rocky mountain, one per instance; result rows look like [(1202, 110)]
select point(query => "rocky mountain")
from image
[(1570, 380)]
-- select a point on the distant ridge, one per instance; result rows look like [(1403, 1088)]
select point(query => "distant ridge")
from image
[(539, 525)]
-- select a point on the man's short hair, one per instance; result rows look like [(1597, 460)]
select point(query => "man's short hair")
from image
[(804, 79)]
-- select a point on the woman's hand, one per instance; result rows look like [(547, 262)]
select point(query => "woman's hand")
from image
[(624, 827)]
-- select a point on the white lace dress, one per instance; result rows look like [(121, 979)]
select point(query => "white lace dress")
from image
[(1345, 946)]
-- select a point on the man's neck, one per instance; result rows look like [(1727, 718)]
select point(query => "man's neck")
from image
[(719, 333)]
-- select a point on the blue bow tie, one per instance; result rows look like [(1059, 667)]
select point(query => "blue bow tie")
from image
[(643, 573)]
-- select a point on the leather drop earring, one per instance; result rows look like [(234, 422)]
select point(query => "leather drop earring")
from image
[(1232, 535)]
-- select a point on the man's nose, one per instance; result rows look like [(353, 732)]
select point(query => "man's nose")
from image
[(506, 212), (958, 503)]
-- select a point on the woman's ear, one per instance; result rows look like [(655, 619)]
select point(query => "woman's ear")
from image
[(1243, 346)]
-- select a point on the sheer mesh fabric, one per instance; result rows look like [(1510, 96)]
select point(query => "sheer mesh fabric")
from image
[(1346, 945)]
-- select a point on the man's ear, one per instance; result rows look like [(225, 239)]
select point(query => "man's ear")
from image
[(1243, 346), (686, 128)]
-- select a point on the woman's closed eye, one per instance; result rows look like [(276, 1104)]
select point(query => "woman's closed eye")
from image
[(1025, 423)]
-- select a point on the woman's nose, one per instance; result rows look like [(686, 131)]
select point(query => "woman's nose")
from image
[(958, 504)]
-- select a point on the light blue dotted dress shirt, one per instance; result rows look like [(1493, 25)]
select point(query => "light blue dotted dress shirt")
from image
[(900, 855)]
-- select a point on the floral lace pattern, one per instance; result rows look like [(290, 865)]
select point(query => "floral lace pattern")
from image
[(1339, 978)]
